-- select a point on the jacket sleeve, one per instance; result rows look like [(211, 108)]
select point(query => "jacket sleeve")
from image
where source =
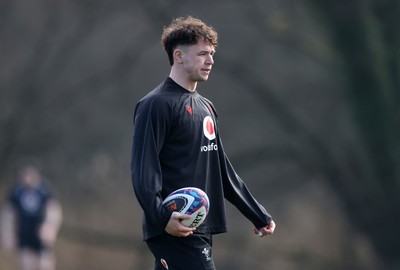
[(150, 129), (237, 193)]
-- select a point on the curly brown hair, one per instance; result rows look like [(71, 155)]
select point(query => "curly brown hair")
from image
[(186, 31)]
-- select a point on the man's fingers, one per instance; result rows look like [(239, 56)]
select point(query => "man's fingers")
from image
[(179, 216), (265, 231), (183, 231), (175, 228)]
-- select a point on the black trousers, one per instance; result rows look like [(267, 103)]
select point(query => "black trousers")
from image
[(182, 253)]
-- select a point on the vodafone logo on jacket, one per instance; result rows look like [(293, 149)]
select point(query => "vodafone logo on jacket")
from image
[(209, 128), (209, 132)]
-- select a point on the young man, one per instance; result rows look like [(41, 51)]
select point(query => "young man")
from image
[(31, 219), (176, 143)]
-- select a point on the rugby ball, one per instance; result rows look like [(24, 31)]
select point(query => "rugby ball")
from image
[(190, 201)]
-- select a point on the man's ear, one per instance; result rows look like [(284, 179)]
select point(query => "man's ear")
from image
[(178, 56)]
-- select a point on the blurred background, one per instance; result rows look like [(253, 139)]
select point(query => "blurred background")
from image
[(308, 97)]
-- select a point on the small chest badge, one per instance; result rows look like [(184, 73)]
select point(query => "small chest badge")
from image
[(189, 109)]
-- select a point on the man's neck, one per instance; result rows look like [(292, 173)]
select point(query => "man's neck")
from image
[(179, 79)]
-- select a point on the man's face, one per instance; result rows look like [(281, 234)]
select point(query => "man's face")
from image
[(30, 176), (198, 61)]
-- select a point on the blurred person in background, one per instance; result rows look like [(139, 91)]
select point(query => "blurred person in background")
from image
[(31, 219)]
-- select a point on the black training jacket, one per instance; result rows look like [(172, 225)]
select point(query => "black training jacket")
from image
[(176, 144)]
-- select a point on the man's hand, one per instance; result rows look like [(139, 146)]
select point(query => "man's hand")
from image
[(175, 228), (48, 234), (8, 228), (265, 231)]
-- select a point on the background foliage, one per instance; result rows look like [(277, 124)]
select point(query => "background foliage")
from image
[(307, 93)]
